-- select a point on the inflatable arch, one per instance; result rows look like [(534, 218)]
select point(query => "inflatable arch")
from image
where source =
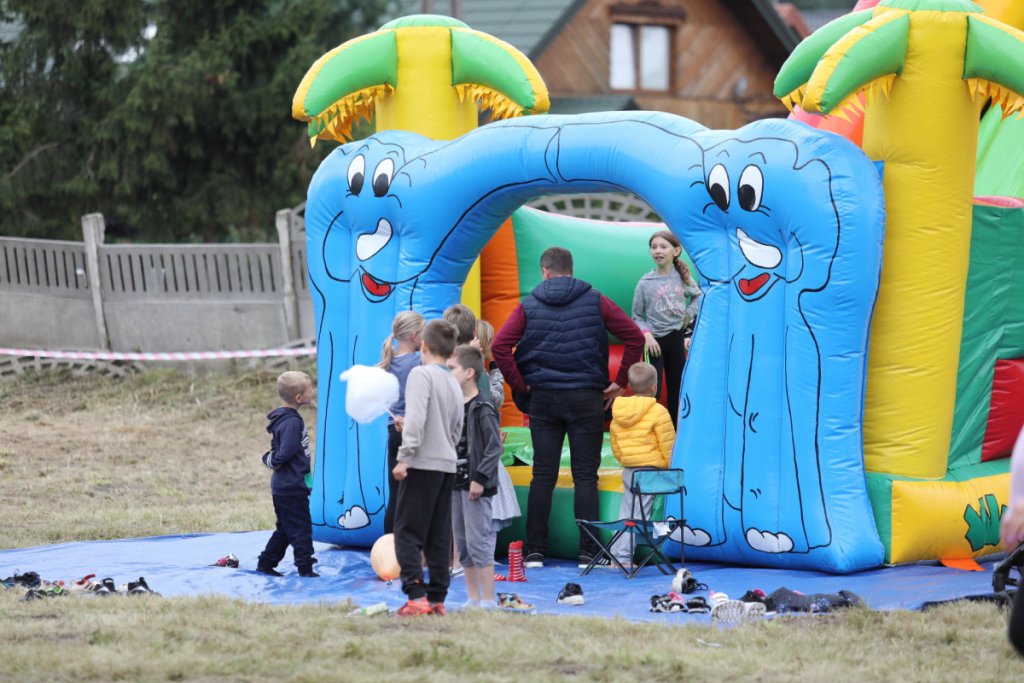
[(784, 224)]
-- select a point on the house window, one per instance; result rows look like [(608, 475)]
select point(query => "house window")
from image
[(640, 57)]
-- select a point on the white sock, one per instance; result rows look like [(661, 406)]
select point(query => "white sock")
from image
[(471, 604), (488, 604)]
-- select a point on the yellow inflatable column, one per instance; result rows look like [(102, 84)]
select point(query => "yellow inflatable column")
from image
[(425, 101), (1007, 11), (929, 179)]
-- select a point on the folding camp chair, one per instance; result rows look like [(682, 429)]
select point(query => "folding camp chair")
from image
[(647, 530)]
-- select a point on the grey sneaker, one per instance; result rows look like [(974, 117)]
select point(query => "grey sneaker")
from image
[(533, 561)]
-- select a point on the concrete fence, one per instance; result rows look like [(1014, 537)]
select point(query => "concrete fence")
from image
[(154, 297)]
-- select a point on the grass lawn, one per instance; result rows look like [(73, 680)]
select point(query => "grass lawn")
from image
[(166, 452)]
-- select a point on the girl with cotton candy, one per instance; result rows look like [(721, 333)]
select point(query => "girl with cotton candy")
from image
[(399, 355)]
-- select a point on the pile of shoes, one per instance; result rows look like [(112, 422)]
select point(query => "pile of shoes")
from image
[(38, 588), (26, 580), (786, 600), (106, 587), (674, 602)]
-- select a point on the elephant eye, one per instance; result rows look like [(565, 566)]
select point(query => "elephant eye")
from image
[(718, 186), (356, 174), (382, 177), (751, 188)]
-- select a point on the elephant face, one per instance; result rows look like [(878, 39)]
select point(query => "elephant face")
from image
[(769, 232)]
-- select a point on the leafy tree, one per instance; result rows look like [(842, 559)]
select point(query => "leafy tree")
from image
[(186, 135)]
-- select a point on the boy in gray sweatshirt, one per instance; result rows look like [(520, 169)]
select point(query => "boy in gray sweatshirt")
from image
[(425, 473)]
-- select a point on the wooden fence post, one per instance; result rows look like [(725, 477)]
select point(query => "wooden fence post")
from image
[(93, 231), (284, 240)]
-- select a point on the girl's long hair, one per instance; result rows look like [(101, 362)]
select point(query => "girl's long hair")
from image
[(403, 327), (680, 266), (485, 333)]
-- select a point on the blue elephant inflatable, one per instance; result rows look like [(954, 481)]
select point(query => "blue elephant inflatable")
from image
[(784, 224)]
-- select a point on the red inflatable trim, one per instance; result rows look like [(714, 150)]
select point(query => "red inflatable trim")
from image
[(1006, 413)]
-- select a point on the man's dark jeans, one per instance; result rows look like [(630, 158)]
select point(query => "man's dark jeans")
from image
[(553, 414)]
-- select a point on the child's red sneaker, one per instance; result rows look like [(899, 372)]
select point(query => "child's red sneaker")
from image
[(415, 608), (438, 609)]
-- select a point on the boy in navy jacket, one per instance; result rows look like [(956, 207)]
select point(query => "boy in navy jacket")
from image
[(289, 458)]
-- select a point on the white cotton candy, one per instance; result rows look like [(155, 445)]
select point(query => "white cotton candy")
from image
[(371, 391)]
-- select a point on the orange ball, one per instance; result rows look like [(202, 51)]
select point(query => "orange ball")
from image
[(383, 558)]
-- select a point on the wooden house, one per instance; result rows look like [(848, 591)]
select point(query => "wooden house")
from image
[(713, 61)]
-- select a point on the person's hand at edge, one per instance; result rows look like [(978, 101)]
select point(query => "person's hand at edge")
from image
[(401, 471), (651, 345), (610, 393), (1011, 530)]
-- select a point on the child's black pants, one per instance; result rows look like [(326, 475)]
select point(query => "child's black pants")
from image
[(394, 441), (295, 528), (423, 524)]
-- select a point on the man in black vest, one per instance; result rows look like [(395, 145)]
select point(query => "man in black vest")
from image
[(560, 367)]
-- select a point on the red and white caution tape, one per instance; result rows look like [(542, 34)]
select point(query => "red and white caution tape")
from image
[(169, 355)]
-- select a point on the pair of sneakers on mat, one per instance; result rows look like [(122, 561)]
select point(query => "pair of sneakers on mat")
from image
[(748, 608), (536, 561), (422, 607), (108, 587), (674, 602), (507, 602)]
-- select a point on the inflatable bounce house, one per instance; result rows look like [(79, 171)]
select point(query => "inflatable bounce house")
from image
[(856, 377)]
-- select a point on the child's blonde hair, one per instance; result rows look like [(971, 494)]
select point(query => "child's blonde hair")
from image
[(642, 377), (292, 383), (464, 320), (485, 333), (404, 327)]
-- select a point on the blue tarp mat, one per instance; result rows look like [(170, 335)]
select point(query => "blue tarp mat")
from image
[(179, 565)]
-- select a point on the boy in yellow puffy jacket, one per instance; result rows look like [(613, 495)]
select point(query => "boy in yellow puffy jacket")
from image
[(642, 436)]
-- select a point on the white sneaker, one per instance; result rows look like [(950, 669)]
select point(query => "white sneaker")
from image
[(724, 609), (754, 610)]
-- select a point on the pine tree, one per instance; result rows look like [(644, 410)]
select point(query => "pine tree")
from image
[(59, 77), (185, 135)]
